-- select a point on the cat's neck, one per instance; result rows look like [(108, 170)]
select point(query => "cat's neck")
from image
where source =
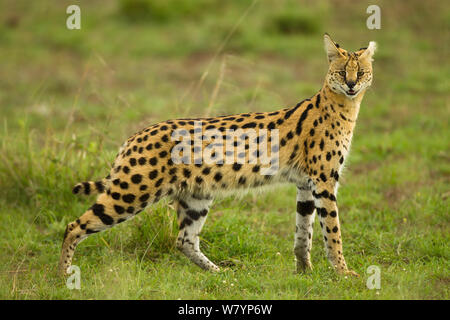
[(349, 107)]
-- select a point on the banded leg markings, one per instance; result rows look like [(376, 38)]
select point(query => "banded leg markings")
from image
[(104, 214), (304, 229), (327, 211), (192, 213)]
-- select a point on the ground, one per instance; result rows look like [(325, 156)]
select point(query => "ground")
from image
[(70, 98)]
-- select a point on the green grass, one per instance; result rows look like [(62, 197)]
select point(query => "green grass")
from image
[(69, 98)]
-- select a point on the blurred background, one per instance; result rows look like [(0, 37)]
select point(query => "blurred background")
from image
[(68, 98)]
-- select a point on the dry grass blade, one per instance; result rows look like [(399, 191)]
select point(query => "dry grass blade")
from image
[(215, 92)]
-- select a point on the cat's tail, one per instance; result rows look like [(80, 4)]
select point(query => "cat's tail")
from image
[(89, 187)]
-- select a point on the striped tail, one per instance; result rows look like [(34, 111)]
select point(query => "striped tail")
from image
[(89, 187)]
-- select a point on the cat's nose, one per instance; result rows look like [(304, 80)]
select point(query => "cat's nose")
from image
[(351, 84)]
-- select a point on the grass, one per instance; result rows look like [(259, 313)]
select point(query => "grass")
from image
[(72, 97)]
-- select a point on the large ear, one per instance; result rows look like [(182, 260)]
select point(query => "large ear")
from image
[(368, 53), (330, 48)]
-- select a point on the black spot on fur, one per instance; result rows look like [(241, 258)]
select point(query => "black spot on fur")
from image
[(162, 154), (115, 195), (322, 212), (136, 178), (76, 189), (119, 209), (159, 182), (322, 145), (186, 172), (305, 208), (186, 221), (199, 180), (288, 114), (193, 214), (99, 186), (87, 188), (303, 116), (153, 161), (153, 174), (99, 211), (183, 204), (218, 177), (128, 198)]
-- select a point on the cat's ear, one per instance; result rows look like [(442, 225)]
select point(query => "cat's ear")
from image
[(369, 52), (331, 48)]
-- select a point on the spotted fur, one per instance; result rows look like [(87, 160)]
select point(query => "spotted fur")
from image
[(89, 187), (313, 142)]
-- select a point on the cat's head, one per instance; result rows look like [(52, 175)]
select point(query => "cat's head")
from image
[(349, 73)]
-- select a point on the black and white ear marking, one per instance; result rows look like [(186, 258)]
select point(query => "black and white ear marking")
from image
[(331, 48), (369, 52)]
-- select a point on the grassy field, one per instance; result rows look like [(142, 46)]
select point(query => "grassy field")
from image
[(68, 99)]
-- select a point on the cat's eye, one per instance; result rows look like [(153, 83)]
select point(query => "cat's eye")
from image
[(342, 73), (360, 73)]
